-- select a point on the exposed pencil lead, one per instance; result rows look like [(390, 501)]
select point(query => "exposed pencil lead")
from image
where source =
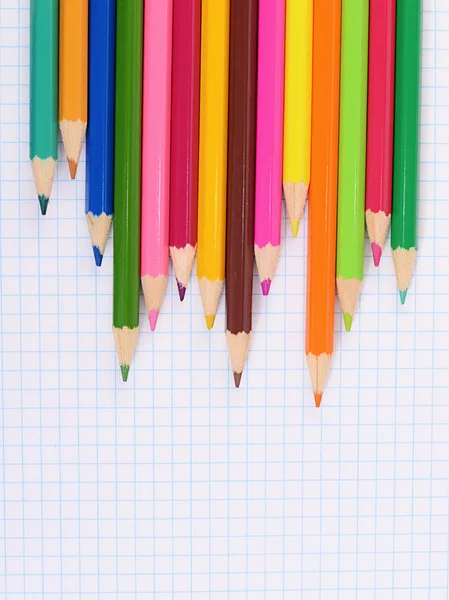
[(125, 372), (237, 379), (43, 201)]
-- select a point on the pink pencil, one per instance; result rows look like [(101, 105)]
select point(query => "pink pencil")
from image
[(379, 166), (270, 117), (156, 152)]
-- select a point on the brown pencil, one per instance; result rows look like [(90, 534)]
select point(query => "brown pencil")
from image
[(241, 180)]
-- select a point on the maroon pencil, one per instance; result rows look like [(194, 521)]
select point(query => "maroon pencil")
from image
[(184, 138), (241, 180)]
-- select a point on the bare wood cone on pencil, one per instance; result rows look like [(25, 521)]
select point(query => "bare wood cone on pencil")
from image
[(241, 181), (99, 226), (182, 259), (295, 200), (210, 295), (154, 292), (378, 226)]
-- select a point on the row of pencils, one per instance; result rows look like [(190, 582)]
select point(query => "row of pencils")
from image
[(202, 115)]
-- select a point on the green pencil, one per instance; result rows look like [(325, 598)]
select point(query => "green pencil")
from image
[(406, 142), (44, 96), (128, 120), (352, 160)]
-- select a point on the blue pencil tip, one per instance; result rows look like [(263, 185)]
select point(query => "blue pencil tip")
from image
[(98, 256), (403, 295)]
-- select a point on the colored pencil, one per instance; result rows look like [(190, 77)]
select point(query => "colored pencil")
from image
[(184, 138), (73, 60), (352, 155), (270, 115), (298, 106), (158, 27), (44, 96), (100, 134), (406, 142), (213, 154), (241, 181), (379, 159), (323, 193), (128, 162)]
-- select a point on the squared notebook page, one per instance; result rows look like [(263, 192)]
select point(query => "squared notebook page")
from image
[(176, 486)]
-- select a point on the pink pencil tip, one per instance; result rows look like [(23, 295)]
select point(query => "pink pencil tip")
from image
[(377, 253), (153, 319), (266, 284)]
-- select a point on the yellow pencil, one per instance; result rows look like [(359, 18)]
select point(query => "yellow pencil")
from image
[(213, 154), (297, 108), (73, 50)]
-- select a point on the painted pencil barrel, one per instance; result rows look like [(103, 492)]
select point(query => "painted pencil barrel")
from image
[(185, 123), (128, 117), (406, 128), (44, 79), (100, 133), (270, 114), (156, 136), (213, 139), (352, 146)]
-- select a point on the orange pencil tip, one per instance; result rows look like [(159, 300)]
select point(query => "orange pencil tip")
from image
[(73, 167), (318, 398)]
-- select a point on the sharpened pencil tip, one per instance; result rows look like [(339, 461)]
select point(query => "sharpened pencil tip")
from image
[(266, 285), (73, 167), (403, 296), (125, 372), (152, 317), (348, 321), (295, 228), (237, 379), (97, 255), (377, 253), (210, 320), (43, 202), (318, 398), (181, 290)]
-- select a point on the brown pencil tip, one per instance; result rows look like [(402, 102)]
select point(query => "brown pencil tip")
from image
[(237, 379), (318, 398), (73, 167)]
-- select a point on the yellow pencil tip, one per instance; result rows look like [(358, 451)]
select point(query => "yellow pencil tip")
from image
[(210, 320), (295, 228), (318, 398)]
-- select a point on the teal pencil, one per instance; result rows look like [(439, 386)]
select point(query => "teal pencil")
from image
[(44, 96)]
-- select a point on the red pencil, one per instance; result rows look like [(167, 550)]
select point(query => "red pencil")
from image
[(184, 134), (379, 166)]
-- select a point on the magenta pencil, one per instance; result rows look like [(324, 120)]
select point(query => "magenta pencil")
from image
[(379, 166), (270, 116), (158, 24), (184, 134)]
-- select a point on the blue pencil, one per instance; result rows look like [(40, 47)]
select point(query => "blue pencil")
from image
[(100, 132)]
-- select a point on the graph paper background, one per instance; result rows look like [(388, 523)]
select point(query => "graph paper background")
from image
[(178, 486)]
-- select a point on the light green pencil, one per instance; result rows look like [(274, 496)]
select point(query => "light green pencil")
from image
[(44, 96), (352, 159)]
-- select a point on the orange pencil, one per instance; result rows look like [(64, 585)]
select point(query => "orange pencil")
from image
[(73, 49), (323, 192)]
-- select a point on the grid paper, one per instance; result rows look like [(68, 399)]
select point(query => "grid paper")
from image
[(178, 486)]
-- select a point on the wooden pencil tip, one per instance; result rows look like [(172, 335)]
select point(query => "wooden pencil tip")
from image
[(210, 320), (347, 318), (73, 167), (125, 372), (43, 203), (318, 398), (295, 228), (237, 379)]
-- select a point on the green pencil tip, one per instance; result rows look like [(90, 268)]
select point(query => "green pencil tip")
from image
[(43, 201), (403, 295), (348, 321), (125, 372)]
